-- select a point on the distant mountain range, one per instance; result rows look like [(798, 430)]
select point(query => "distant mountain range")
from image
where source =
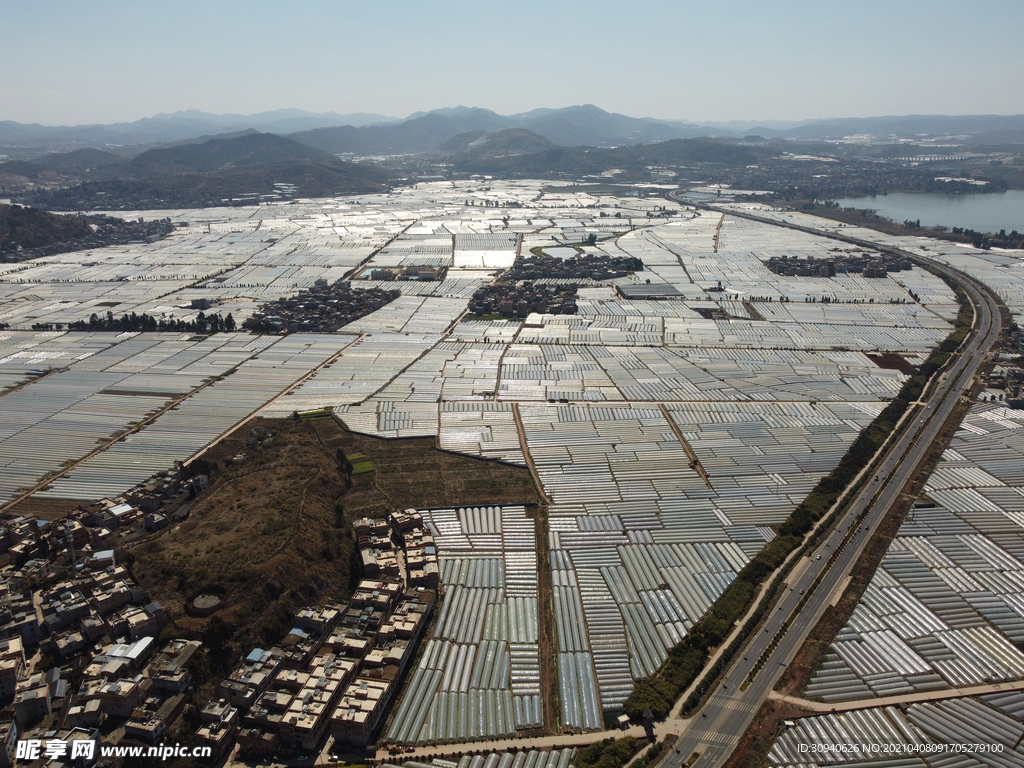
[(256, 166), (167, 128), (245, 165), (222, 154), (585, 125), (248, 167), (970, 129)]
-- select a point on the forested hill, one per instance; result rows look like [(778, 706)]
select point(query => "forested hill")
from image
[(238, 170), (32, 228), (632, 160), (27, 233)]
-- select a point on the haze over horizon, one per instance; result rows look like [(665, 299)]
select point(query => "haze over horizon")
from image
[(369, 118), (106, 62)]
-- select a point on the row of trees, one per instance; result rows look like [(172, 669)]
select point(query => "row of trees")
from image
[(203, 323), (986, 241)]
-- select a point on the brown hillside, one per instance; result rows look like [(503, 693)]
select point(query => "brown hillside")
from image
[(274, 527)]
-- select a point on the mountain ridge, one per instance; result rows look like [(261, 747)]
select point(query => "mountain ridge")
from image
[(245, 151), (511, 141), (578, 125), (244, 168)]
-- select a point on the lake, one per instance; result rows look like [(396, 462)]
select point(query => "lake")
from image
[(988, 212)]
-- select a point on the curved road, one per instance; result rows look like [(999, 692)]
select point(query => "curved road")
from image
[(716, 730)]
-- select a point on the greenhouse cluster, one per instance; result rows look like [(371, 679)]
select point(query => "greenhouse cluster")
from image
[(479, 674), (946, 607)]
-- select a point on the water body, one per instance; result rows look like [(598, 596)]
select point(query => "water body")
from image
[(985, 212)]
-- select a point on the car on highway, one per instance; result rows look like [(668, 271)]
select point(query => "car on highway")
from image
[(801, 591)]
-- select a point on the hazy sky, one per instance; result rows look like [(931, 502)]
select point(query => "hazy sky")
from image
[(98, 62)]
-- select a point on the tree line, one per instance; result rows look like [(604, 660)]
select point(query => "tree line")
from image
[(203, 323)]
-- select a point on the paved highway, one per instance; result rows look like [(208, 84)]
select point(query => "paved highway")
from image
[(716, 730)]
